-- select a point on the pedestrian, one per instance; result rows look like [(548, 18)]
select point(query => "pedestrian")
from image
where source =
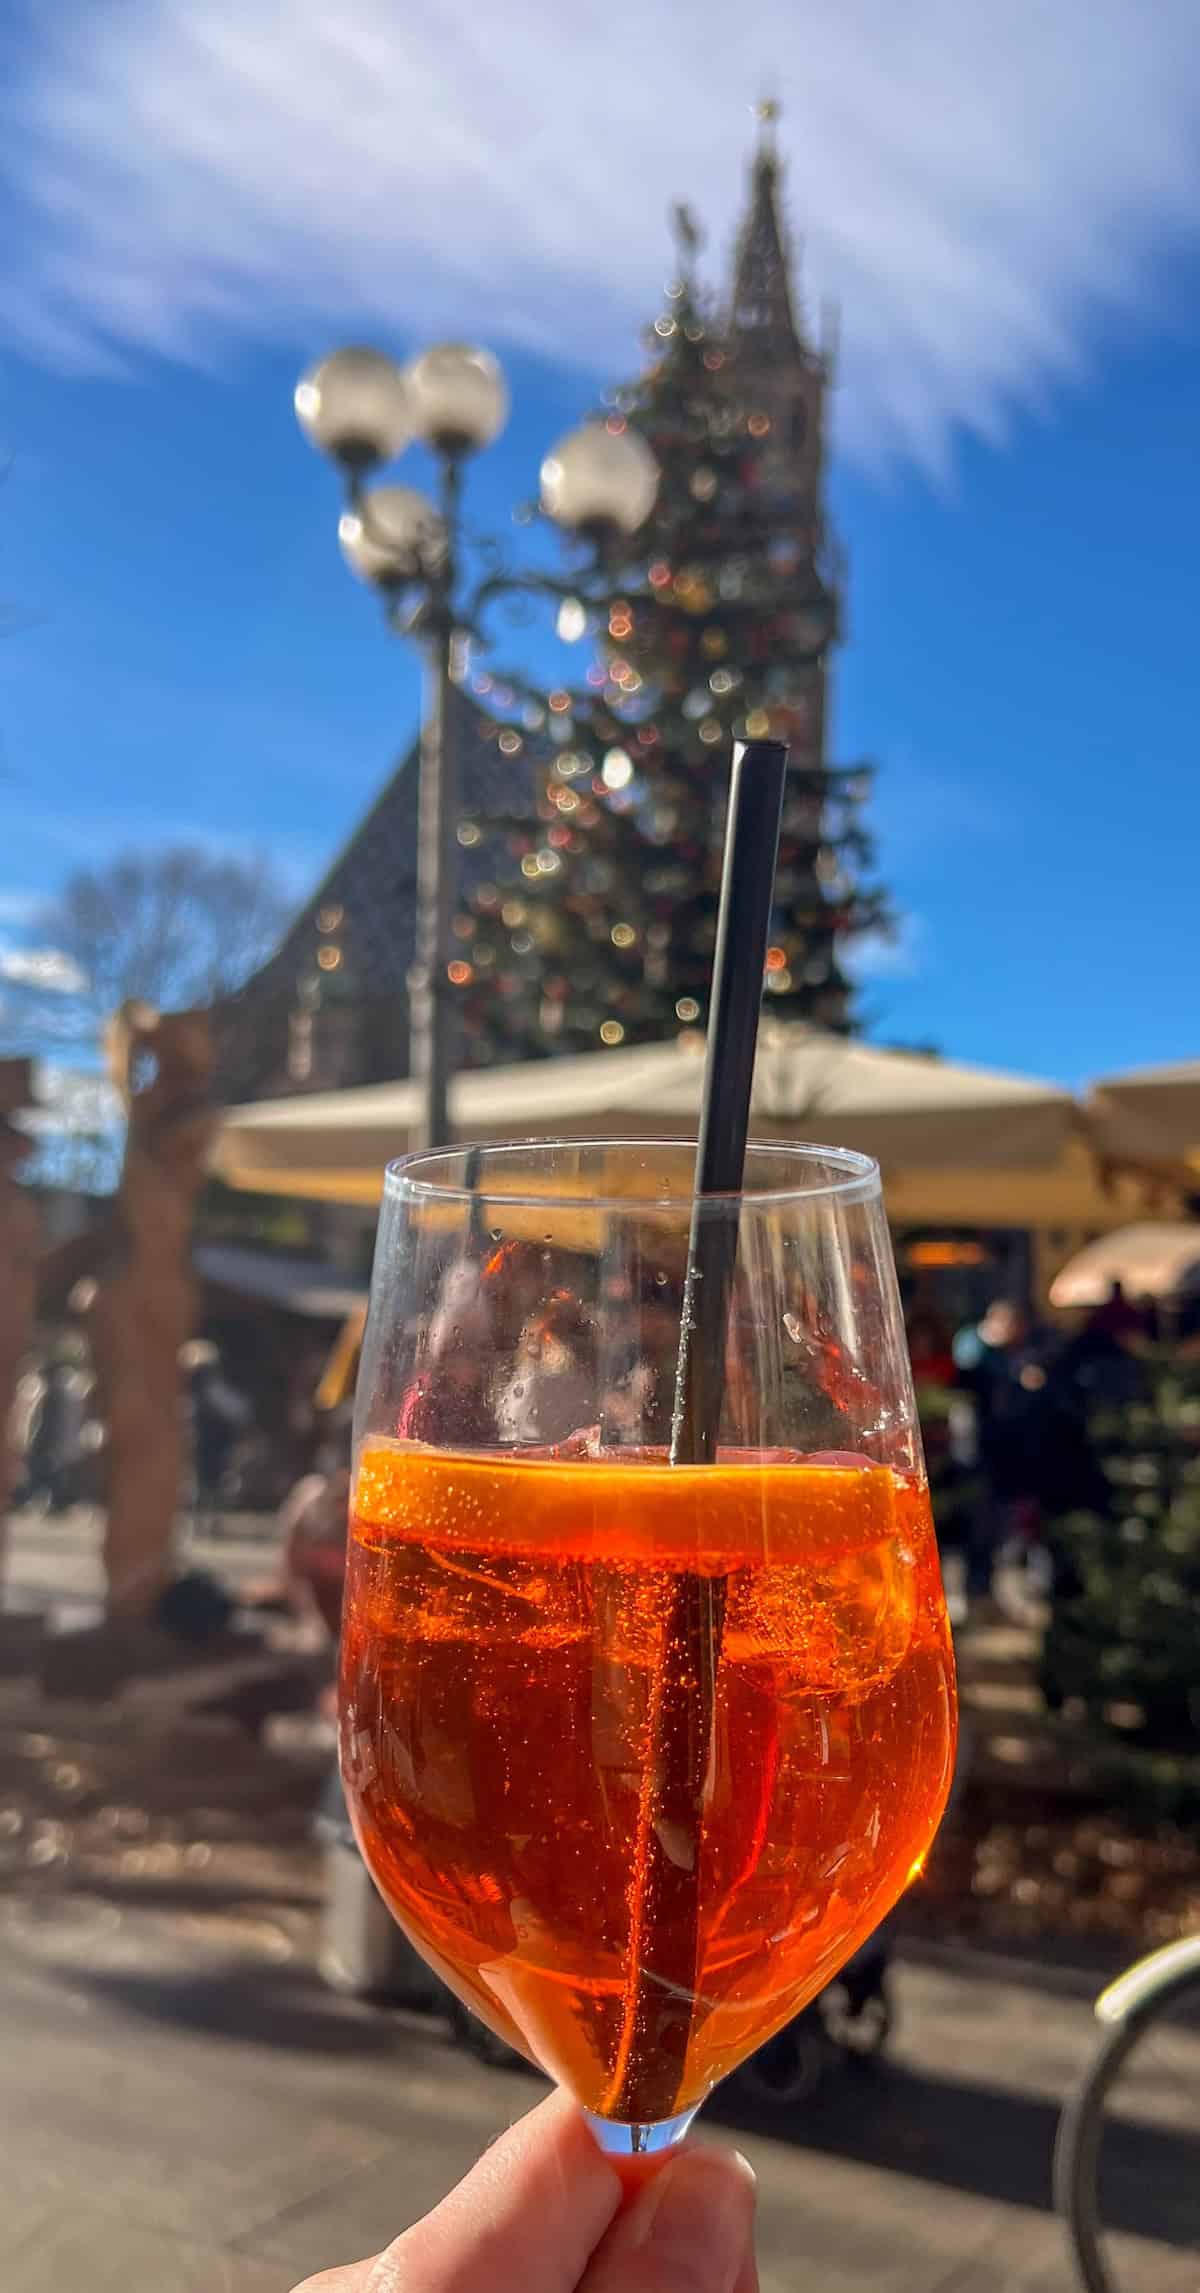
[(220, 1414), (1002, 1362), (57, 1428), (314, 1524), (930, 1346), (1102, 1361), (1118, 1318)]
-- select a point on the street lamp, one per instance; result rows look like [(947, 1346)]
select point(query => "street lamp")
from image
[(363, 410)]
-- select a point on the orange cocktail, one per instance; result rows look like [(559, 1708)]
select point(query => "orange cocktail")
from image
[(504, 1649)]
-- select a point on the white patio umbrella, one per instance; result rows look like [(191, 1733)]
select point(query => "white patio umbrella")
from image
[(1154, 1259), (909, 1110), (1150, 1111)]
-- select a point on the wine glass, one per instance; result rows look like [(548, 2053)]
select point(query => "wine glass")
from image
[(639, 1752)]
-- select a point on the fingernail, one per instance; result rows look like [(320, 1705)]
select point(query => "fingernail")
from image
[(694, 2221)]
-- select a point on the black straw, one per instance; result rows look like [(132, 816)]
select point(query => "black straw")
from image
[(739, 960), (664, 1948), (471, 1176)]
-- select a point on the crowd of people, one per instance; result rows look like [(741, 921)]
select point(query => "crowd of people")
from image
[(1005, 1403)]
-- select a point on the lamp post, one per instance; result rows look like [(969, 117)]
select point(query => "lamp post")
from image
[(363, 410)]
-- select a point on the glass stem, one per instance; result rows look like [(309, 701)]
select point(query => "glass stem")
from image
[(619, 2140)]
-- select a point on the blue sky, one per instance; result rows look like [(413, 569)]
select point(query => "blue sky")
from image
[(201, 195)]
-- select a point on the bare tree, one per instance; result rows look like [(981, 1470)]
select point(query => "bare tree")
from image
[(178, 928)]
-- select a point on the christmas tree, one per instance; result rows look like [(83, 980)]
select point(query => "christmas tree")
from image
[(1121, 1643), (593, 920)]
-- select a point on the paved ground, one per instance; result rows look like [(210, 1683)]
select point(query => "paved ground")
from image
[(187, 2110), (181, 2118)]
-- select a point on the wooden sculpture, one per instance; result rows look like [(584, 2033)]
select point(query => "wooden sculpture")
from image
[(141, 1310)]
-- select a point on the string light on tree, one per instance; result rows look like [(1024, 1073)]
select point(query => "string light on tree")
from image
[(617, 769)]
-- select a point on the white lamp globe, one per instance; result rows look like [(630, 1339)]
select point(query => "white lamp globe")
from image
[(355, 406), (458, 395), (391, 535), (600, 477)]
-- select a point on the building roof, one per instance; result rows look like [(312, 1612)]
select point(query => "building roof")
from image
[(373, 880), (365, 907)]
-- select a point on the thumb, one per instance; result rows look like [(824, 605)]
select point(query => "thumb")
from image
[(689, 2230)]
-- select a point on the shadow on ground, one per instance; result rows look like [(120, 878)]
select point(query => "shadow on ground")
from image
[(954, 2133), (967, 2135), (279, 2007)]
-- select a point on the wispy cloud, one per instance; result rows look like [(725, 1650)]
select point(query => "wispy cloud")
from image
[(71, 1099), (47, 968), (976, 183)]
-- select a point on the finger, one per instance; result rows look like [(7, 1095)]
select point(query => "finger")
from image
[(747, 2280), (351, 2280), (690, 2230), (528, 2216)]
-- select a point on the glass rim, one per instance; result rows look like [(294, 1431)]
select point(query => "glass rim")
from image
[(853, 1177)]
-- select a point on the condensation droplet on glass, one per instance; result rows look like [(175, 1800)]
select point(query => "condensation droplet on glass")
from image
[(661, 1279), (791, 1323), (497, 1233)]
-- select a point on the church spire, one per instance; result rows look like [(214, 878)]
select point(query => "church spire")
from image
[(762, 318)]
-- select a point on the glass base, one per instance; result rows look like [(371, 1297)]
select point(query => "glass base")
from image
[(618, 2141)]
